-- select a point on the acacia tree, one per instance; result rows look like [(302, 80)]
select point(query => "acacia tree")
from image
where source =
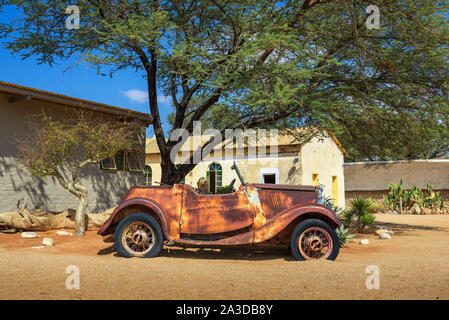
[(261, 63), (63, 148)]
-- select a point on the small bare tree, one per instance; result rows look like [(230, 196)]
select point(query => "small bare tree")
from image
[(61, 149)]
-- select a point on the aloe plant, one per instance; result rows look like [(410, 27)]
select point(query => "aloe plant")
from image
[(343, 236)]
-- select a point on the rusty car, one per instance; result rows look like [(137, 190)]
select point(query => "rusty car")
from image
[(254, 214)]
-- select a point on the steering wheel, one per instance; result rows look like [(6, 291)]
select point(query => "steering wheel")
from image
[(231, 185)]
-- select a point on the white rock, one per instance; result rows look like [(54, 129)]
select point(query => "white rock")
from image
[(384, 235), (28, 235), (380, 231), (63, 233), (40, 247), (48, 242), (364, 241)]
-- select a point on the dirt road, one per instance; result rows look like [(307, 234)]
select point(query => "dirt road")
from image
[(413, 264)]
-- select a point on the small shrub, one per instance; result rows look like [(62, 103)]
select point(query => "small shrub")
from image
[(365, 220), (377, 207), (346, 217), (222, 190), (343, 236), (360, 208), (330, 203)]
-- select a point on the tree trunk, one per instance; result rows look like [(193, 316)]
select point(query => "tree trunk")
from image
[(80, 215), (169, 173)]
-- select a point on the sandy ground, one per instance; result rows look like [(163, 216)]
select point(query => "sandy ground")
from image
[(413, 264)]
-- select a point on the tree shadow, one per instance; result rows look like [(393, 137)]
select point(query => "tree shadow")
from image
[(402, 228)]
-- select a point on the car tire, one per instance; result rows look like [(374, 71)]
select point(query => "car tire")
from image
[(138, 231), (315, 236)]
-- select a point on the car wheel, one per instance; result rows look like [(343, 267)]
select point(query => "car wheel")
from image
[(138, 235), (314, 239)]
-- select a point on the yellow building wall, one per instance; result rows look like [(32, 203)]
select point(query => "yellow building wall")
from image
[(325, 159)]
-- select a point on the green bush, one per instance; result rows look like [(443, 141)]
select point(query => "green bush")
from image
[(346, 217), (360, 208), (343, 236), (222, 190), (366, 220)]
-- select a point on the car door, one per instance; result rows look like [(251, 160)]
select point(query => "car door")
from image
[(212, 214)]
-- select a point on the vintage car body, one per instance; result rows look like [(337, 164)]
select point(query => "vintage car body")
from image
[(254, 214)]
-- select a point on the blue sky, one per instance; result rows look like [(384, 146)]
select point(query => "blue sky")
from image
[(126, 89)]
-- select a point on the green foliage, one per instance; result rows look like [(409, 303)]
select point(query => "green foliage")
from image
[(360, 206), (330, 203), (399, 198), (366, 220), (360, 209), (54, 146), (222, 190), (347, 217), (270, 64), (343, 236), (395, 196)]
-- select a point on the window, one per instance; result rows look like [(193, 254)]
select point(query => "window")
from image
[(269, 178), (148, 175), (315, 180), (120, 161), (269, 175), (335, 190), (133, 161), (214, 176), (123, 161), (108, 164)]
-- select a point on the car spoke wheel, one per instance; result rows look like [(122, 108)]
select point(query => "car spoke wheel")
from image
[(315, 243), (138, 238), (314, 239), (138, 235)]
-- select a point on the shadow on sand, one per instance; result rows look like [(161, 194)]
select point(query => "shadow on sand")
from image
[(249, 253)]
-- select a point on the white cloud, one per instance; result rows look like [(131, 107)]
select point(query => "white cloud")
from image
[(163, 99), (136, 95)]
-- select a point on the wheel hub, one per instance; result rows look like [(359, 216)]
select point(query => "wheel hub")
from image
[(315, 243), (139, 237)]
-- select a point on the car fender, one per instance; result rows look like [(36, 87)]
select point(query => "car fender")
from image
[(283, 219), (132, 202)]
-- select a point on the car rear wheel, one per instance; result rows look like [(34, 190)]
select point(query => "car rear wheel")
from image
[(138, 235), (314, 239)]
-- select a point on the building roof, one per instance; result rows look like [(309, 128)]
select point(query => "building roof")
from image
[(283, 140), (31, 93)]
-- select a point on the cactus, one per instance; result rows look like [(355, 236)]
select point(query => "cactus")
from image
[(405, 199)]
